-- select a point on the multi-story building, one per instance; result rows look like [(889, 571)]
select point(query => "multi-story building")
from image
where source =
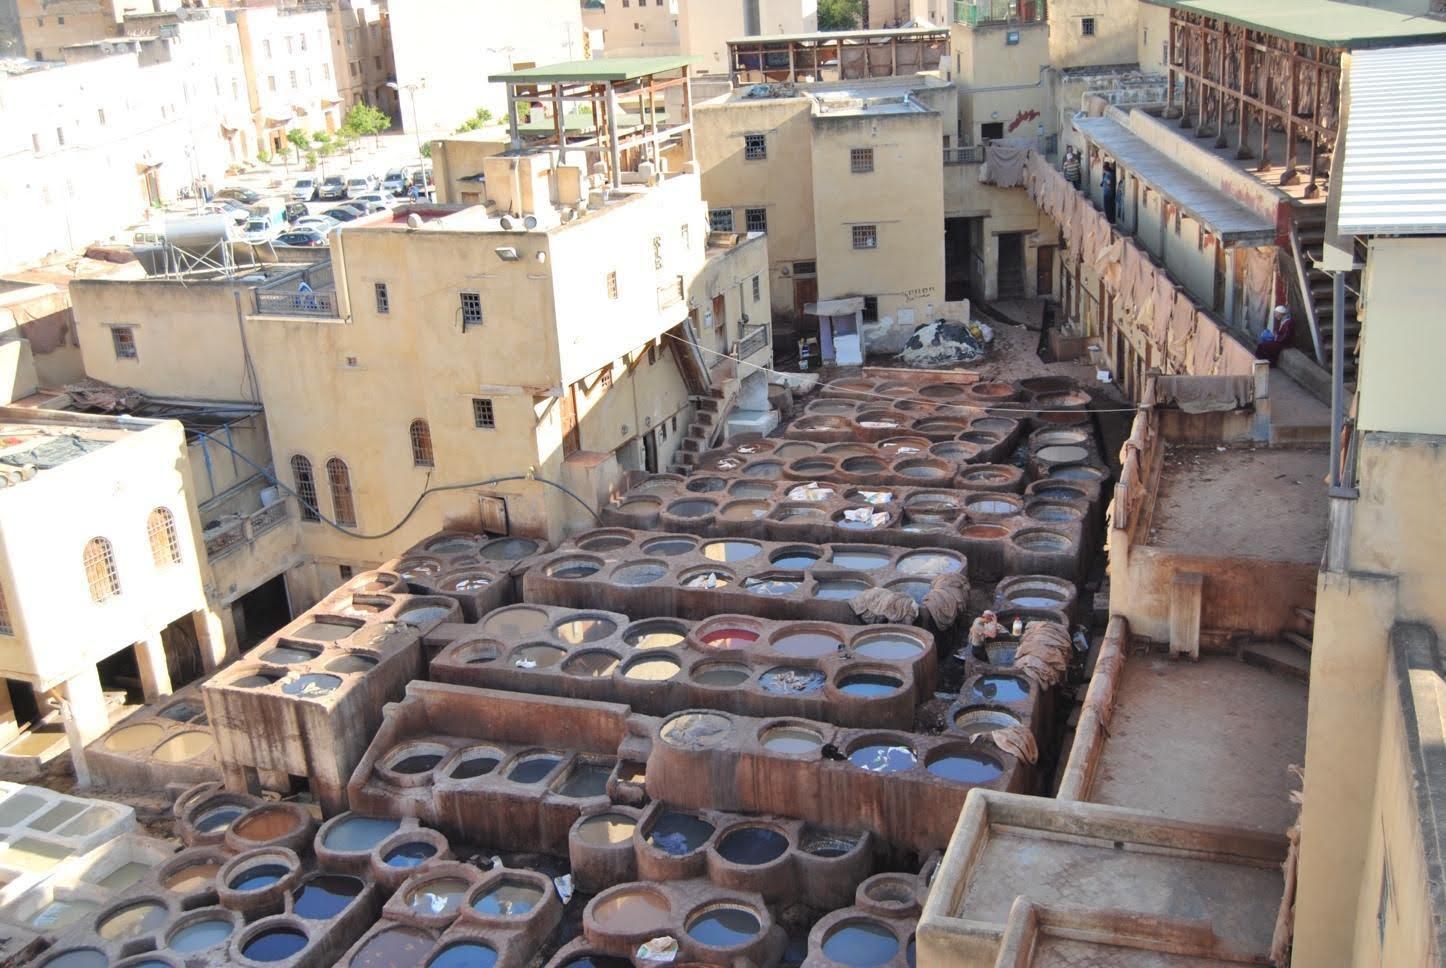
[(883, 14), (704, 29), (361, 50), (49, 26), (640, 28), (287, 54)]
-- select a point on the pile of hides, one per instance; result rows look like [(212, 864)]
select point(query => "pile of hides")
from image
[(947, 341), (881, 606), (1017, 741), (945, 600), (1043, 653), (94, 395)]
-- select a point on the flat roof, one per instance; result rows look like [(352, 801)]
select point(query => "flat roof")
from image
[(601, 69), (1325, 23), (900, 33)]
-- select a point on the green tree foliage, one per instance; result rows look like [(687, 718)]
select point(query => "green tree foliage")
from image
[(263, 156), (481, 119), (839, 14), (367, 120), (299, 141)]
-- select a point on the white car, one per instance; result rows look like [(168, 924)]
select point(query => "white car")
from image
[(395, 182), (374, 201), (258, 230), (360, 185), (304, 190)]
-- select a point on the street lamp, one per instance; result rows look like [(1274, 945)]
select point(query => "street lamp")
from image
[(411, 90)]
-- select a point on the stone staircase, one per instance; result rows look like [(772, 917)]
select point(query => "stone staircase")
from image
[(1290, 654), (1310, 226), (709, 412)]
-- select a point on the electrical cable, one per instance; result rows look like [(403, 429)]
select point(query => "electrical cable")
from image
[(426, 491), (992, 408)]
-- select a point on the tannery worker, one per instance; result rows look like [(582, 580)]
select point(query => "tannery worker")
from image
[(984, 630)]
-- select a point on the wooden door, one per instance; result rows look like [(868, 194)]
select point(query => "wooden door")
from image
[(1044, 273), (571, 435), (805, 291)]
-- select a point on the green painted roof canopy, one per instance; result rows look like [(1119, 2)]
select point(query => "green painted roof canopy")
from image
[(1324, 23), (601, 69)]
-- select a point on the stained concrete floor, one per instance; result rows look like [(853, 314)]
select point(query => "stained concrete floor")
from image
[(1205, 741), (1251, 501), (1068, 953)]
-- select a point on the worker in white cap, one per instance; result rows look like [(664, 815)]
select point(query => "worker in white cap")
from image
[(1275, 337)]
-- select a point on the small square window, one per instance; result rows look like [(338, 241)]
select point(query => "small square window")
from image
[(1011, 38), (123, 338), (756, 219), (384, 302), (871, 309), (861, 160), (757, 289), (755, 147), (1087, 26), (471, 309), (346, 572), (483, 415), (809, 268), (612, 285), (866, 236), (719, 219)]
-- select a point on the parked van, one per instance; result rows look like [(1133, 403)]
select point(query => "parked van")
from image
[(267, 219)]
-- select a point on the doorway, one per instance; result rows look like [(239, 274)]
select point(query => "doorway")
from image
[(650, 452), (958, 257), (805, 291), (260, 612), (1011, 265), (1044, 272)]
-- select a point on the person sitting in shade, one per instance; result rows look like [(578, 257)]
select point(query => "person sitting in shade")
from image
[(1275, 337), (985, 629)]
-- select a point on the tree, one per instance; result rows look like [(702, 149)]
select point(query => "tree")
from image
[(839, 14), (481, 119), (299, 141), (263, 156), (367, 120), (310, 158)]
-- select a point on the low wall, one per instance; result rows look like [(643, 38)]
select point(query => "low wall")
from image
[(1094, 719)]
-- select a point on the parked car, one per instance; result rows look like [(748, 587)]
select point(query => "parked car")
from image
[(258, 229), (307, 236), (295, 211), (304, 190), (343, 213), (243, 195), (422, 177), (373, 202), (234, 212), (333, 186), (395, 181), (360, 185), (321, 223)]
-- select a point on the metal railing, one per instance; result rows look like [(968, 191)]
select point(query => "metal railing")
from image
[(245, 529), (286, 297), (968, 155), (977, 12), (752, 343)]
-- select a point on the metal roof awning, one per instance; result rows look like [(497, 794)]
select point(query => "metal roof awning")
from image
[(600, 70), (1220, 214), (1393, 167), (1325, 23)]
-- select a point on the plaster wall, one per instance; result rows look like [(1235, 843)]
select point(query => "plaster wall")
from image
[(1403, 288), (706, 26), (25, 309), (1153, 50), (640, 28), (1000, 82), (47, 26), (895, 13), (1113, 40)]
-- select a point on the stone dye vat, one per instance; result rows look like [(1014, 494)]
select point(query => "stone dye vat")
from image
[(906, 460), (646, 574), (712, 925), (814, 670), (165, 744), (386, 850), (479, 572), (452, 915), (306, 701), (877, 931), (992, 528), (40, 831), (785, 861)]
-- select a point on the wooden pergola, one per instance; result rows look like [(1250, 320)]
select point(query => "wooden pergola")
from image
[(837, 55)]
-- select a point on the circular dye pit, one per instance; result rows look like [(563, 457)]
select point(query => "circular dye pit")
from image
[(415, 763), (191, 877), (509, 549), (81, 958), (639, 573), (729, 637), (274, 944), (424, 615), (720, 674), (1042, 541), (807, 643), (572, 569), (631, 912), (258, 877), (984, 532), (826, 843), (724, 927), (1054, 513), (392, 948), (654, 635), (264, 824), (768, 470), (744, 511), (679, 833), (468, 582), (604, 541), (585, 780), (841, 520), (692, 508), (883, 756), (798, 558), (537, 656), (752, 845), (288, 654), (860, 944), (184, 746), (509, 898), (705, 578), (515, 622), (580, 631), (657, 668), (696, 730), (670, 547), (451, 545), (798, 514), (976, 722), (475, 763), (930, 564), (605, 829), (324, 896), (730, 550), (965, 766), (313, 685), (840, 589), (324, 631), (442, 895), (591, 665), (533, 769), (863, 465), (791, 740), (859, 559), (995, 504), (359, 834), (752, 490), (774, 586), (1000, 687), (135, 921), (217, 819), (706, 485), (183, 712), (128, 739), (869, 685), (794, 448), (465, 954), (351, 664), (791, 680), (410, 855), (888, 646), (923, 469)]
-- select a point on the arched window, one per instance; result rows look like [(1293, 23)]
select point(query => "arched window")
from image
[(341, 503), (161, 530), (100, 570), (421, 443), (305, 488)]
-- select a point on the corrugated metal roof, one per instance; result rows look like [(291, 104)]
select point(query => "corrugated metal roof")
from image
[(1203, 202), (1327, 23), (1393, 168)]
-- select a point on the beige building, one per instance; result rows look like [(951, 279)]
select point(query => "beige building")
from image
[(883, 14), (101, 569), (289, 77), (641, 28), (704, 28), (48, 26), (361, 49)]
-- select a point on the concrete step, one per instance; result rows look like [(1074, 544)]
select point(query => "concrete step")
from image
[(1278, 657), (700, 429), (686, 458), (1305, 614), (692, 445), (707, 404), (1297, 639)]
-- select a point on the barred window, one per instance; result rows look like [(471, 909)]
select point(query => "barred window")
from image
[(871, 309), (421, 435), (342, 505), (612, 285), (100, 572), (861, 160), (471, 309), (161, 531), (305, 488), (123, 338), (755, 147), (756, 219), (721, 219), (866, 236), (384, 299), (657, 252), (757, 289), (483, 415)]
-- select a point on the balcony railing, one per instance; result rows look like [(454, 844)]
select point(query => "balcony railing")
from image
[(968, 155), (752, 342), (983, 12), (245, 529), (310, 292)]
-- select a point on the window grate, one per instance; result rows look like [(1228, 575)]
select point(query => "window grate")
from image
[(861, 160), (123, 338), (612, 285), (866, 236), (757, 289), (384, 300), (421, 437), (342, 505), (756, 219), (305, 488), (161, 532), (871, 309), (471, 309), (755, 147), (721, 220), (484, 417), (100, 570)]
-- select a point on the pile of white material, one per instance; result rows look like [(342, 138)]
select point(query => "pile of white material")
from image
[(947, 341)]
